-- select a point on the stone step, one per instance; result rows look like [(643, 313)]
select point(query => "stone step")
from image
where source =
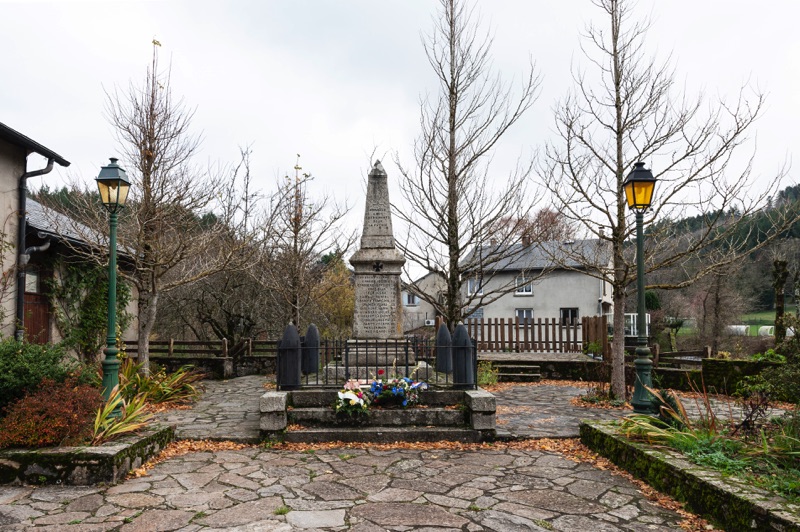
[(381, 434), (519, 377), (519, 368), (383, 417), (504, 363)]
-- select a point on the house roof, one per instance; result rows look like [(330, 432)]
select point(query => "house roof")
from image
[(53, 223), (577, 254), (18, 139)]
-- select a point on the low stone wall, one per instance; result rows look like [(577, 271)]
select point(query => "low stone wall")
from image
[(255, 365), (724, 375), (220, 367), (214, 367), (589, 370), (104, 464), (735, 505)]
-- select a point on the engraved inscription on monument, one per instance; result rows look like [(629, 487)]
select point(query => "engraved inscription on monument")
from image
[(377, 318)]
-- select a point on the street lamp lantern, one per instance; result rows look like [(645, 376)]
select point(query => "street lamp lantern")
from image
[(639, 187), (113, 184)]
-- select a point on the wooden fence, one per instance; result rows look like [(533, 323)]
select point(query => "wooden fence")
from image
[(542, 335), (180, 348), (674, 360)]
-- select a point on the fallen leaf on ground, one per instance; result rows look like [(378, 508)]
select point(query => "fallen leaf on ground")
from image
[(576, 401), (182, 447)]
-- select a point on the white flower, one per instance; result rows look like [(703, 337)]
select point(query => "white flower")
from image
[(350, 398)]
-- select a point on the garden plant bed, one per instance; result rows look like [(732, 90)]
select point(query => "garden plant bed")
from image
[(736, 505), (84, 465)]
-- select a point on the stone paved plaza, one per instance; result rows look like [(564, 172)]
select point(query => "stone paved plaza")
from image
[(257, 489)]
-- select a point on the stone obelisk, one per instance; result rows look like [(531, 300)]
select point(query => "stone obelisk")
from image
[(377, 265)]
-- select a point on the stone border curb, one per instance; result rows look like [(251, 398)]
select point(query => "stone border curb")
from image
[(733, 504), (82, 466), (479, 411)]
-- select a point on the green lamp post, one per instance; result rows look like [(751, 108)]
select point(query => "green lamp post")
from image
[(639, 187), (113, 185)]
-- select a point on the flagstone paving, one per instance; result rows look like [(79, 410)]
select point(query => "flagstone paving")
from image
[(228, 410), (348, 489), (357, 490)]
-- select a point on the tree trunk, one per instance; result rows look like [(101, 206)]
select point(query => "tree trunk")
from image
[(780, 273), (148, 304), (618, 346)]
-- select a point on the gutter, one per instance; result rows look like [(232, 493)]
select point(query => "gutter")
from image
[(24, 254)]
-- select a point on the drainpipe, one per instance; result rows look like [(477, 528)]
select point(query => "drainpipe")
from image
[(19, 333)]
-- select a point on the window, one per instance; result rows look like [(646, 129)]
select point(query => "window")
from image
[(569, 316), (524, 286), (524, 313), (412, 300), (476, 313), (475, 287)]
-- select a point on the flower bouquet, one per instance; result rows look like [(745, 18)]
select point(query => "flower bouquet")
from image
[(352, 403), (397, 391)]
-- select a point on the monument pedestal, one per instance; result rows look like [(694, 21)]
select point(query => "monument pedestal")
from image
[(338, 374)]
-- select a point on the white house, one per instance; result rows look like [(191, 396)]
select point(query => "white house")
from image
[(544, 280), (416, 311)]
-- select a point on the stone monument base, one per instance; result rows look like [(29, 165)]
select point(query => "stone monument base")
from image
[(336, 373), (380, 354)]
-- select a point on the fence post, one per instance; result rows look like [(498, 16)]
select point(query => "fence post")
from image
[(444, 353), (310, 359), (225, 347), (289, 359), (463, 359), (171, 344)]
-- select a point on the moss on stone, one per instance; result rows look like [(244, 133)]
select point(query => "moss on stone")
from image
[(105, 464), (736, 506)]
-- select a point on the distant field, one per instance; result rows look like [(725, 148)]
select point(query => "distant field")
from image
[(759, 319)]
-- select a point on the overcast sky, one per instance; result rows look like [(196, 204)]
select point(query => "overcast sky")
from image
[(334, 79)]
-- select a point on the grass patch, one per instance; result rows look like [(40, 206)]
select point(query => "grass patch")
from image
[(487, 374), (282, 510), (762, 453)]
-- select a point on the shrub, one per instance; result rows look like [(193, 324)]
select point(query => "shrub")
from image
[(133, 416), (768, 356), (488, 374), (159, 386), (58, 413), (23, 366)]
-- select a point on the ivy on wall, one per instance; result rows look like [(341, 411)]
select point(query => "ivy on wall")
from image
[(78, 297)]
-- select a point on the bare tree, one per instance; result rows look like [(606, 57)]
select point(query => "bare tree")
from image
[(180, 224), (452, 199), (304, 231), (627, 109), (545, 225)]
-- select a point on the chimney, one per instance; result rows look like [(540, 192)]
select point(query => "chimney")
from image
[(526, 241), (493, 242)]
